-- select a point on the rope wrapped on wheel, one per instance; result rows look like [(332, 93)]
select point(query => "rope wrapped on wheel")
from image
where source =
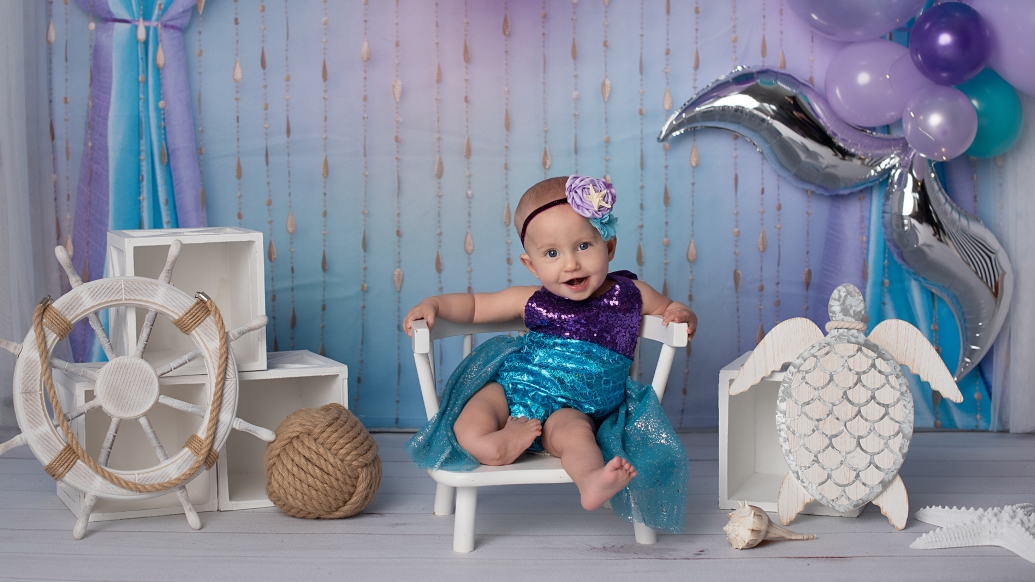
[(323, 464)]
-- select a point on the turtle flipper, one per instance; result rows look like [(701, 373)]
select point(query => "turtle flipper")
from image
[(894, 503), (781, 345), (791, 499), (910, 348)]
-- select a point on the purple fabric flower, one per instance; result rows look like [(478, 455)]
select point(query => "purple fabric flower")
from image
[(590, 197)]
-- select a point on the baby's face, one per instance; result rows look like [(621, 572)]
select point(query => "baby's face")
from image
[(565, 252)]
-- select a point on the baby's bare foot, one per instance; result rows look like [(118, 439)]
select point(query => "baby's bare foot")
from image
[(602, 484), (516, 436)]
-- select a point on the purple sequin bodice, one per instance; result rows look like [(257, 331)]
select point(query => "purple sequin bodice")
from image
[(611, 320)]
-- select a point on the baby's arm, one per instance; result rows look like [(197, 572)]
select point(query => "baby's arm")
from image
[(470, 307), (655, 303)]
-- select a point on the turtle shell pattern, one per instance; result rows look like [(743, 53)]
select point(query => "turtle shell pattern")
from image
[(844, 416)]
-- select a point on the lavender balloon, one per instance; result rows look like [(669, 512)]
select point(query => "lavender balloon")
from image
[(795, 129), (949, 43), (1011, 25), (853, 20), (905, 79), (939, 122), (858, 85)]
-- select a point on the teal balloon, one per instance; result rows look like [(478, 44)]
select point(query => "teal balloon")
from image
[(999, 113)]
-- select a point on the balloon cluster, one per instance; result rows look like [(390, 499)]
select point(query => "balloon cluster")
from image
[(951, 86)]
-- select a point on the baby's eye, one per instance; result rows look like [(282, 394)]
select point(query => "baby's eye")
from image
[(552, 253), (583, 246)]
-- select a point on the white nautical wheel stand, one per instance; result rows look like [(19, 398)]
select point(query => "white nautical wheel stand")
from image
[(127, 388)]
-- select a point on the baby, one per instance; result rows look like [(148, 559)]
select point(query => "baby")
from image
[(562, 385)]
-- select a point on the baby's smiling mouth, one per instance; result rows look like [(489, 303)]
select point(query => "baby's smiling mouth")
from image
[(577, 282)]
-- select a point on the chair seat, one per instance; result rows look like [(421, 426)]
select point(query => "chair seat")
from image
[(527, 469)]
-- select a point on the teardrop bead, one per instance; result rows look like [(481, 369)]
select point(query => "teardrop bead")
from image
[(639, 255), (237, 71), (691, 251), (397, 277), (736, 279), (468, 243), (271, 252), (364, 53), (290, 222), (438, 261)]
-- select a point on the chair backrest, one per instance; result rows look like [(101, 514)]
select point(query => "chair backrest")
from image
[(670, 337)]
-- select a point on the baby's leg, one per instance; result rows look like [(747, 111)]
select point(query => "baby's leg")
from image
[(570, 435), (487, 431)]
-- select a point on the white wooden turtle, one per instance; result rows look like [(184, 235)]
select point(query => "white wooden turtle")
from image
[(126, 388), (844, 413)]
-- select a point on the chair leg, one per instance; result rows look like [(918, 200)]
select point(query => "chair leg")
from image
[(644, 534), (463, 524), (444, 496)]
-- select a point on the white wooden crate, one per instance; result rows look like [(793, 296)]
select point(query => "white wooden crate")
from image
[(293, 380), (224, 262), (751, 463), (132, 449)]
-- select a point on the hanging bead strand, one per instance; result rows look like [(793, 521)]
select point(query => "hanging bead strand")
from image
[(364, 55), (271, 250), (575, 84), (507, 216), (290, 225), (691, 249), (546, 148), (639, 223), (397, 276), (666, 105), (324, 173), (238, 75), (763, 242), (736, 202), (201, 126), (468, 240), (605, 91), (51, 36)]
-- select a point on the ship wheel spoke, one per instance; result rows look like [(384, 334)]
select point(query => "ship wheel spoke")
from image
[(181, 490), (74, 280), (82, 371), (74, 414), (164, 277)]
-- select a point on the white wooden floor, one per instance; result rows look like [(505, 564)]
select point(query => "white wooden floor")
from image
[(520, 534)]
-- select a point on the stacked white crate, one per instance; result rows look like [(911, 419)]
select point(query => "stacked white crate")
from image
[(227, 264)]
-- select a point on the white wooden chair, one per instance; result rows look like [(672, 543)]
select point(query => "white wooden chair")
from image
[(528, 469)]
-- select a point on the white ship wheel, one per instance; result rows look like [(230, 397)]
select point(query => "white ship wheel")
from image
[(126, 389)]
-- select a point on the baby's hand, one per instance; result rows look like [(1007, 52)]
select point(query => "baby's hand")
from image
[(680, 313), (426, 310)]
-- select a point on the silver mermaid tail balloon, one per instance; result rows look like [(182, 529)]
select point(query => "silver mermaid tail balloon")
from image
[(795, 129), (949, 251), (952, 253)]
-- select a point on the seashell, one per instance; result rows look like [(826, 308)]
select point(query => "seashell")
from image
[(397, 277), (160, 57), (201, 7), (438, 166), (438, 261), (288, 129), (605, 88), (697, 60), (574, 50), (292, 320), (546, 158), (763, 46), (364, 53), (763, 244), (86, 271), (467, 53), (749, 525), (325, 168), (323, 262), (323, 351), (576, 145), (783, 61), (506, 215), (639, 255), (397, 89), (467, 147), (506, 119), (666, 199), (68, 245), (760, 334), (695, 158), (290, 222), (323, 72), (807, 277), (664, 288), (468, 243), (163, 155), (736, 279), (262, 58), (666, 101), (363, 241), (271, 252), (506, 24), (237, 71), (691, 251), (668, 7), (438, 72), (237, 168), (51, 33)]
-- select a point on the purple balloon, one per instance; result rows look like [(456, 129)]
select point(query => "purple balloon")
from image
[(852, 20), (858, 85), (949, 43), (905, 79), (1011, 25), (939, 122)]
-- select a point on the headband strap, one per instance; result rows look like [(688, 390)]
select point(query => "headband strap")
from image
[(536, 212)]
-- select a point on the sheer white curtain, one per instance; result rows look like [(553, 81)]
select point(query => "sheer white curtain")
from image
[(1013, 398), (28, 270)]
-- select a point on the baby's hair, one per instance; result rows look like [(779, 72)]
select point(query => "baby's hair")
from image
[(546, 191)]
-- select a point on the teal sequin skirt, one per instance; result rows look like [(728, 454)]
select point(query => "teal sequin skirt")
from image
[(636, 429)]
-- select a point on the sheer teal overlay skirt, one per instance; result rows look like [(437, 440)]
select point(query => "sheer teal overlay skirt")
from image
[(637, 430)]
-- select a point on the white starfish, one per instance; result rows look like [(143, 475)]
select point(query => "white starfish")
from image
[(1011, 527), (596, 198)]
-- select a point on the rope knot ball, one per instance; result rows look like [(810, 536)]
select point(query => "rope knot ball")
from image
[(323, 464)]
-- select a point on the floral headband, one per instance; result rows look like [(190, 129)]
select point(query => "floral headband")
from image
[(589, 197)]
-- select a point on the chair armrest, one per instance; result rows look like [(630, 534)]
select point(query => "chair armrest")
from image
[(445, 328), (421, 339), (673, 334)]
